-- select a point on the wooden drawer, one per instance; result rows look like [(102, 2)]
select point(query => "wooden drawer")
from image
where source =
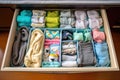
[(7, 55)]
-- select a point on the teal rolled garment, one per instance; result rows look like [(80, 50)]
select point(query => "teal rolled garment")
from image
[(102, 54), (24, 19), (26, 13)]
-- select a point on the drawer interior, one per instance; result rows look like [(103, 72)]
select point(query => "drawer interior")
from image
[(7, 55)]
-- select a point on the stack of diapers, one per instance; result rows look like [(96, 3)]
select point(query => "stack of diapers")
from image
[(60, 38), (52, 19), (81, 19), (67, 19), (94, 18), (38, 18), (69, 54), (51, 49), (24, 18), (19, 47)]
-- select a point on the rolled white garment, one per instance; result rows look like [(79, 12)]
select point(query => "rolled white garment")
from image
[(65, 13), (69, 64), (80, 15), (93, 14), (69, 58), (95, 22), (81, 24)]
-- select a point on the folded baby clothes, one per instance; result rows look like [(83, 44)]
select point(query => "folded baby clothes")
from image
[(69, 64), (24, 19), (33, 57), (49, 34), (78, 36), (50, 64), (81, 24), (19, 47), (48, 42), (53, 13), (94, 19), (52, 19), (92, 14), (81, 19), (69, 57), (80, 15), (87, 35), (67, 35), (69, 48), (67, 19), (38, 18), (102, 54), (65, 13), (86, 56), (95, 23), (98, 36)]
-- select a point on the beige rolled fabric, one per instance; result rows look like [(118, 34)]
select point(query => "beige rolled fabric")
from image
[(33, 57)]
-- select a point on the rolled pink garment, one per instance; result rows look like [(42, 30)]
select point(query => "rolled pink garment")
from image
[(98, 36)]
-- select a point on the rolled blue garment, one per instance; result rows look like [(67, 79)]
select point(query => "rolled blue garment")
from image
[(24, 24), (24, 19), (50, 64), (26, 13), (102, 54)]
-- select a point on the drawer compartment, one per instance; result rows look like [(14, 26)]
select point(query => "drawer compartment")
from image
[(113, 59)]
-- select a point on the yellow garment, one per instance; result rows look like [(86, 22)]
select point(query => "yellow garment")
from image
[(52, 19), (38, 25), (33, 57), (53, 13), (52, 25)]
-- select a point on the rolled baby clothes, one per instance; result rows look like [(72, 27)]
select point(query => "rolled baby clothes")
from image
[(19, 47), (38, 18), (80, 15), (94, 19), (98, 36), (24, 18), (86, 56), (69, 64), (67, 35), (33, 57), (81, 19), (67, 19), (92, 14), (95, 23), (102, 54), (69, 48), (69, 58), (52, 34), (52, 19)]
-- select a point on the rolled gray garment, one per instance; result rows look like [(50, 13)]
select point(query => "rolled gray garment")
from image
[(86, 56), (69, 58), (69, 64), (19, 47)]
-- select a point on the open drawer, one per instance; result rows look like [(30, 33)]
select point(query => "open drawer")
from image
[(113, 59)]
